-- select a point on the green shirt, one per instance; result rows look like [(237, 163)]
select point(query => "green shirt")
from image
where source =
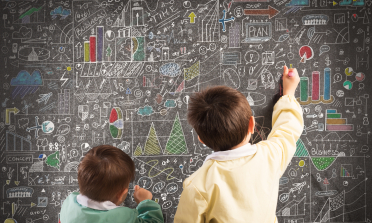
[(147, 211)]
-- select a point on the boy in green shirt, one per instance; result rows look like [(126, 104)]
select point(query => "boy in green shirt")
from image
[(104, 176)]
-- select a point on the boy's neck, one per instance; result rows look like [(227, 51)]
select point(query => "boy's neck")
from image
[(243, 143)]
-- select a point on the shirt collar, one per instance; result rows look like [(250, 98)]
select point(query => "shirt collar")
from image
[(102, 206), (239, 152)]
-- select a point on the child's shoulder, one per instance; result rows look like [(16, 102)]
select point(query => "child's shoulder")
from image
[(199, 175), (71, 197)]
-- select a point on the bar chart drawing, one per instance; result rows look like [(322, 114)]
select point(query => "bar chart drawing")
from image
[(316, 97), (293, 208), (86, 51), (92, 48), (15, 142), (33, 15), (346, 170), (280, 24), (339, 18), (148, 80), (335, 122), (100, 42)]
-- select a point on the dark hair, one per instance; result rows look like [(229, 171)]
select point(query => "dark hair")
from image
[(220, 116), (104, 172)]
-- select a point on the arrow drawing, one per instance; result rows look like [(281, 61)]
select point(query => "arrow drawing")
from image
[(7, 114), (192, 17), (224, 20), (44, 98), (79, 49), (270, 11)]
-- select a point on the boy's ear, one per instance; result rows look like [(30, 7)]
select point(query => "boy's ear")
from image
[(200, 140), (122, 193), (251, 125)]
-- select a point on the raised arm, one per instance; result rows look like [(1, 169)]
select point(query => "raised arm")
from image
[(287, 123), (147, 211)]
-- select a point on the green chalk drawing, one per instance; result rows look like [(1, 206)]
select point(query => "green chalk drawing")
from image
[(301, 150), (29, 12), (138, 48), (322, 163), (176, 143), (304, 88), (53, 160)]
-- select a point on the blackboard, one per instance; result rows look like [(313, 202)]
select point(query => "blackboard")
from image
[(76, 74)]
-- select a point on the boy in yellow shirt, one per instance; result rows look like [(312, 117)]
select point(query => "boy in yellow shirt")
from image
[(239, 182)]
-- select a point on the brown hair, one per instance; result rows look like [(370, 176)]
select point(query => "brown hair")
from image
[(104, 172), (220, 116)]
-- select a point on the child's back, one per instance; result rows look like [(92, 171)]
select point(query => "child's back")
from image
[(90, 212), (104, 176), (241, 184)]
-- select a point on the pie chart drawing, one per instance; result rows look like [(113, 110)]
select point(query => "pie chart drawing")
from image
[(116, 123), (348, 85), (349, 71), (110, 35), (360, 76), (306, 53)]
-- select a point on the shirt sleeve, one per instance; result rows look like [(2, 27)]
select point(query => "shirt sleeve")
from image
[(192, 206), (288, 125), (149, 212)]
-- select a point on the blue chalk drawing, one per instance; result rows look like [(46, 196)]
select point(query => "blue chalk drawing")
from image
[(224, 20), (170, 103), (60, 11), (145, 111), (25, 79), (170, 69)]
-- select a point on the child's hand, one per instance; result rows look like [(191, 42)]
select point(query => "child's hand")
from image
[(290, 81), (141, 194)]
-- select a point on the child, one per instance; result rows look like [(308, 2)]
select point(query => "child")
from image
[(239, 182), (104, 175)]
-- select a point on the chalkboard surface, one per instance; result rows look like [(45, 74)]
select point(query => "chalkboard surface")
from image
[(76, 74)]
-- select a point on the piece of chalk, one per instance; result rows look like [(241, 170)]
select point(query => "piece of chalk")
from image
[(290, 66), (290, 74)]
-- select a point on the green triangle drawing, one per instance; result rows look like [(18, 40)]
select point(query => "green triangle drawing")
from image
[(138, 150), (322, 163), (176, 143), (53, 160), (152, 146), (301, 150)]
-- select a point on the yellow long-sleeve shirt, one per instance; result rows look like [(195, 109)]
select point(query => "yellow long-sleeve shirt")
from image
[(244, 189)]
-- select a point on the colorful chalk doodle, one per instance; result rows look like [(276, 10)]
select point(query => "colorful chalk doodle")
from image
[(80, 73)]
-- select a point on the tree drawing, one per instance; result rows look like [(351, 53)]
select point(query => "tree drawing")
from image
[(176, 143), (152, 146)]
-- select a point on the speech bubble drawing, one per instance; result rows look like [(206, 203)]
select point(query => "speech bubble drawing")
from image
[(171, 188), (63, 129), (324, 49), (337, 78)]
